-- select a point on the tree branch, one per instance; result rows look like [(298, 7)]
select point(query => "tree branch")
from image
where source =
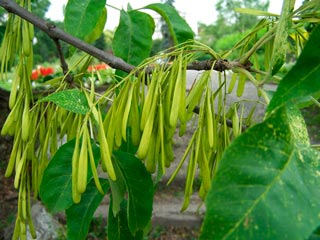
[(56, 33), (220, 65)]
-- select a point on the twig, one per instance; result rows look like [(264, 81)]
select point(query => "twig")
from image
[(266, 38), (220, 65), (63, 62)]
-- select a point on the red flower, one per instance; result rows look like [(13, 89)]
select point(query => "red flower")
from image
[(34, 75), (45, 71), (98, 67), (91, 68), (101, 66), (41, 72)]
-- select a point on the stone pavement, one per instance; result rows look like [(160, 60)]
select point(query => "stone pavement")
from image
[(166, 212), (166, 208)]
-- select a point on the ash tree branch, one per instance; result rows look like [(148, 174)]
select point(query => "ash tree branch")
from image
[(56, 33), (219, 65)]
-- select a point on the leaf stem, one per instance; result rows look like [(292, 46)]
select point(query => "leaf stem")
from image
[(267, 37)]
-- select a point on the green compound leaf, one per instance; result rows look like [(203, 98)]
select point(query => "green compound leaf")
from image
[(56, 184), (82, 17), (140, 190), (303, 79), (266, 185), (98, 29), (178, 27), (133, 38), (72, 100), (79, 216)]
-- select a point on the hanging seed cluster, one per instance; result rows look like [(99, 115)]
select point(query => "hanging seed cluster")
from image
[(146, 109)]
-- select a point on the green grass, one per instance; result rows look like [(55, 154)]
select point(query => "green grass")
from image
[(6, 81)]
